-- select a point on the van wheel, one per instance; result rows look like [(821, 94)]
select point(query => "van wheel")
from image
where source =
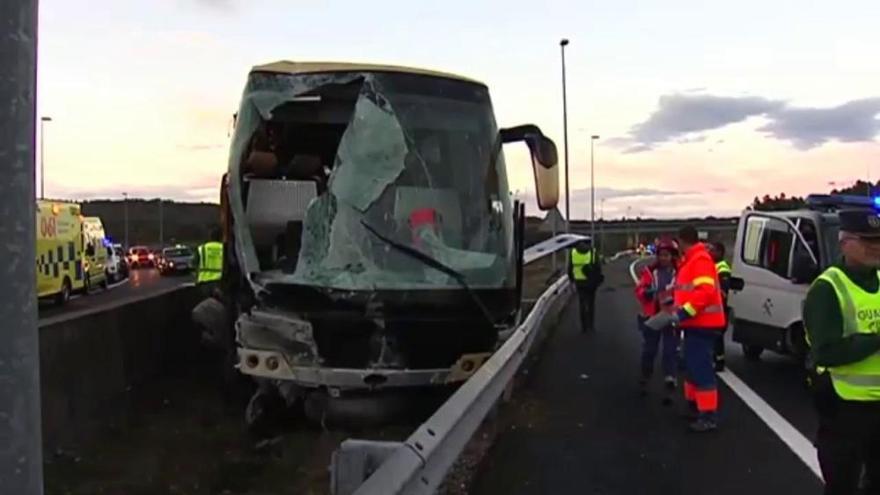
[(752, 352), (797, 343), (64, 295)]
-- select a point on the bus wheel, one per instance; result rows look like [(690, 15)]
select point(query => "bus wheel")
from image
[(63, 295)]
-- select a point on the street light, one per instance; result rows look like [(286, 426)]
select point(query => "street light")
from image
[(562, 44), (161, 225), (593, 139), (125, 209), (43, 121)]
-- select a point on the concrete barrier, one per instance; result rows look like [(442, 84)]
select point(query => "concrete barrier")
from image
[(89, 361)]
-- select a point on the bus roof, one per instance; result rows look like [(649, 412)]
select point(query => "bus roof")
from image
[(289, 67)]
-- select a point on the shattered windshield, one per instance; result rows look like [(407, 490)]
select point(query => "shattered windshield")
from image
[(412, 159)]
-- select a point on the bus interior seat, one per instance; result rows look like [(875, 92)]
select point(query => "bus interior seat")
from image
[(272, 206), (306, 167), (261, 164)]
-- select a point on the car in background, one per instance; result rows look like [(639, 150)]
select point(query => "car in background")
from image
[(117, 264), (123, 267), (111, 268), (141, 256), (177, 259)]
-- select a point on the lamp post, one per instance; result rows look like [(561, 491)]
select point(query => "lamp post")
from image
[(21, 456), (593, 139), (562, 44), (629, 219), (125, 215), (161, 226), (43, 121)]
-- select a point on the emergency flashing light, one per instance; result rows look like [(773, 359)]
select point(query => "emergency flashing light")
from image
[(841, 201)]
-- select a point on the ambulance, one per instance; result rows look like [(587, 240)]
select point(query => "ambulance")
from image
[(64, 240), (97, 253)]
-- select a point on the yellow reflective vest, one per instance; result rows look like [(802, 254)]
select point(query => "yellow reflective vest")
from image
[(578, 261), (722, 267), (858, 381), (210, 262)]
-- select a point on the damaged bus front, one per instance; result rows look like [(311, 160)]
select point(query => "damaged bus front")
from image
[(371, 239)]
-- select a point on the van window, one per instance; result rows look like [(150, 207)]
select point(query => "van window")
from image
[(752, 243), (768, 244), (808, 230)]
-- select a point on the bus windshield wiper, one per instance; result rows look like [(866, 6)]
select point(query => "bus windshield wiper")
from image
[(435, 264)]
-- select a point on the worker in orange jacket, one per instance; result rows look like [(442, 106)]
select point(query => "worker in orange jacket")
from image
[(699, 311), (655, 292)]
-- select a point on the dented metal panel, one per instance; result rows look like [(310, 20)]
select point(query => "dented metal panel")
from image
[(277, 331)]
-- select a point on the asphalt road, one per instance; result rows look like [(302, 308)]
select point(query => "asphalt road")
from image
[(141, 283), (580, 426)]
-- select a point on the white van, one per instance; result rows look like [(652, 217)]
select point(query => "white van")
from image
[(777, 256)]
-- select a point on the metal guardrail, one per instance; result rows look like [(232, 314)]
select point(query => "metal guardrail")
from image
[(420, 464)]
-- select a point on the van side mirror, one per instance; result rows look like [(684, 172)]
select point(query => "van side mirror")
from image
[(544, 161), (803, 269), (736, 283)]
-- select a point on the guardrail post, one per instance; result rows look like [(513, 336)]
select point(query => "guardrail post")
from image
[(355, 460), (21, 460)]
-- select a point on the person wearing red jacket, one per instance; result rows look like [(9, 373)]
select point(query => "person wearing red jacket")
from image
[(655, 292), (699, 311)]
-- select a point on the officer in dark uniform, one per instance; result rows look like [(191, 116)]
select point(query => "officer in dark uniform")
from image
[(842, 319)]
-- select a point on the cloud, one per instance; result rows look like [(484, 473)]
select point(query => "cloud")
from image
[(684, 118), (805, 128), (678, 116), (610, 193)]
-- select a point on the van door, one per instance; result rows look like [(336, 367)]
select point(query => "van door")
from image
[(770, 301)]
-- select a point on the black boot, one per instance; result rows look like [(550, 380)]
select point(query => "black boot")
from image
[(669, 384), (719, 363)]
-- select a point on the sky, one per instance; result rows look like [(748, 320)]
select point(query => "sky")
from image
[(700, 105)]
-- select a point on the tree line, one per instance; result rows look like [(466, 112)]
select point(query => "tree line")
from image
[(784, 202)]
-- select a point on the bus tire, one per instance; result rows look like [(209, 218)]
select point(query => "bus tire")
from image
[(63, 295)]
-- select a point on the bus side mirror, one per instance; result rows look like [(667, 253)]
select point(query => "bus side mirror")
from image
[(544, 162), (546, 182)]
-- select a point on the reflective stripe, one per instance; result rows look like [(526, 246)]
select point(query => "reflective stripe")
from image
[(857, 380), (715, 308), (722, 267), (697, 282), (689, 309)]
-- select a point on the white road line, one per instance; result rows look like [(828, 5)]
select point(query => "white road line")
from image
[(121, 282), (789, 435)]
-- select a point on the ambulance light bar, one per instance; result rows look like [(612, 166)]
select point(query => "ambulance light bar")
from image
[(841, 201)]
